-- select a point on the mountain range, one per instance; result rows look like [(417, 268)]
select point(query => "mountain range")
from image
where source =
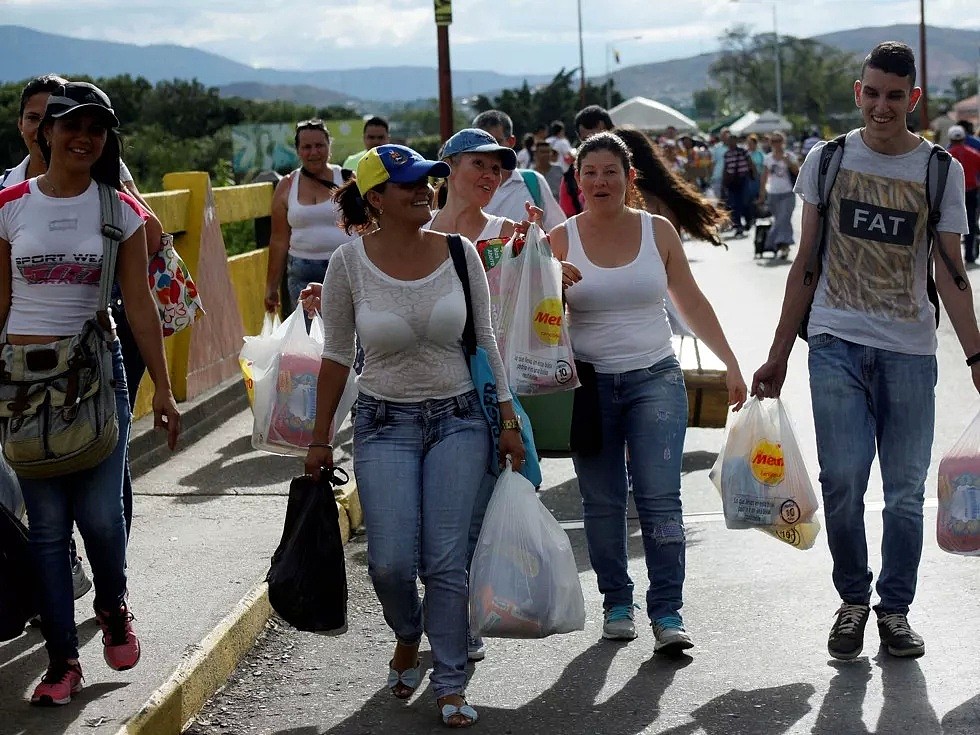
[(25, 53)]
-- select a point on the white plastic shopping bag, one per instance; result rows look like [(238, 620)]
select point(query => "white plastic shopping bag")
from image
[(958, 521), (533, 335), (253, 345), (523, 580), (762, 478)]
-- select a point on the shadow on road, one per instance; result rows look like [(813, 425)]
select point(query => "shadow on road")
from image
[(569, 706)]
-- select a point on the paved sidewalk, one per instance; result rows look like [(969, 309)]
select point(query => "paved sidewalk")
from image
[(207, 519)]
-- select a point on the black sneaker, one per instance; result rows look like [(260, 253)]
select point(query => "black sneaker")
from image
[(847, 636), (898, 636)]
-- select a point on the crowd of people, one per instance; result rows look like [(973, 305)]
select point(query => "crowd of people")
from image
[(368, 245)]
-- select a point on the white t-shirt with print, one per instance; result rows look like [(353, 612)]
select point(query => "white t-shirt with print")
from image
[(872, 285), (56, 256)]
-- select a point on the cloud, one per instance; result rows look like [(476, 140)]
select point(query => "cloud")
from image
[(504, 35)]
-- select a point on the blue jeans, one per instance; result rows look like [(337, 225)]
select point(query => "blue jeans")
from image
[(865, 399), (300, 272), (94, 500), (644, 411), (418, 468)]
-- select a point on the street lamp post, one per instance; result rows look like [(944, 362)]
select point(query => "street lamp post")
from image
[(609, 52), (777, 56), (581, 58)]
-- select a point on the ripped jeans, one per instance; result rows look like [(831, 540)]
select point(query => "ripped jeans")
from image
[(644, 411)]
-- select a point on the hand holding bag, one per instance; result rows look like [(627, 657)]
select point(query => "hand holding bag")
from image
[(533, 337), (58, 400), (308, 576)]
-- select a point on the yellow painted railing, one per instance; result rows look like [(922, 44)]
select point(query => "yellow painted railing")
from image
[(184, 209)]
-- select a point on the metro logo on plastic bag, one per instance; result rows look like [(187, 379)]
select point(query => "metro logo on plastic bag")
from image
[(548, 318), (767, 463), (762, 479)]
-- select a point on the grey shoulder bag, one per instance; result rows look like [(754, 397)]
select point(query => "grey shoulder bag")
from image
[(57, 400)]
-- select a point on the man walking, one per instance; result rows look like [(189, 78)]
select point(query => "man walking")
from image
[(738, 172), (872, 339), (969, 158), (589, 121), (375, 133)]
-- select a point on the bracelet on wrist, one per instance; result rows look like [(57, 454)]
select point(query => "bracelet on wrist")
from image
[(973, 359)]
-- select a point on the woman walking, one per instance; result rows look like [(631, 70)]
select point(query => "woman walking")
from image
[(77, 139), (620, 265), (420, 436), (778, 177)]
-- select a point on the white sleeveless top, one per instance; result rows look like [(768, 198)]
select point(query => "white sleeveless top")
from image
[(490, 230), (616, 316), (315, 228)]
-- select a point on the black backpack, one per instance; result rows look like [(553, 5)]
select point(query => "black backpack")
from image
[(937, 173), (18, 595)]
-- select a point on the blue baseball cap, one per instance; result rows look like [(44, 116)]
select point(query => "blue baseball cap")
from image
[(474, 140), (397, 164)]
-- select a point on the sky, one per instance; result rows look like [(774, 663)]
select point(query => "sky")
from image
[(512, 36)]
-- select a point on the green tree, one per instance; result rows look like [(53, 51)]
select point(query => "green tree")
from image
[(708, 103), (560, 99), (817, 79), (963, 86)]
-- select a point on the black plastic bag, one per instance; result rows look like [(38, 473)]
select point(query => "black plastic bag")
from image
[(308, 576), (18, 595)]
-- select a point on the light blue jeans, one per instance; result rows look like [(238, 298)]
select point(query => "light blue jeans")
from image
[(300, 272), (418, 468), (94, 500), (644, 411), (865, 399)]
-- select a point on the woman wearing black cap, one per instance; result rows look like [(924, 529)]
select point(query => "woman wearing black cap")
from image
[(50, 264), (420, 436)]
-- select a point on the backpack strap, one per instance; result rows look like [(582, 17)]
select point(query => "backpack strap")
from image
[(458, 255), (831, 156), (111, 237), (937, 174), (533, 186)]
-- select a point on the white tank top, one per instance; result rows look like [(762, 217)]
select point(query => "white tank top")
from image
[(315, 229), (490, 230), (616, 316)]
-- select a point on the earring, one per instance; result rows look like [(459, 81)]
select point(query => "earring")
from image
[(380, 212)]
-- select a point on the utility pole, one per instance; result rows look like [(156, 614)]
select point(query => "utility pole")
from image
[(581, 58), (924, 101), (444, 17)]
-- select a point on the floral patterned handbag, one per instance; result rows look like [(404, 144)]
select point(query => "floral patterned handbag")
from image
[(174, 290)]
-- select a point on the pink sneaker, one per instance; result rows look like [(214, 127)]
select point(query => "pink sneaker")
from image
[(60, 682), (122, 647)]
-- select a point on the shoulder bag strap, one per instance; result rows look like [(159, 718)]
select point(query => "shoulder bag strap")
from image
[(111, 236), (459, 262), (937, 174)]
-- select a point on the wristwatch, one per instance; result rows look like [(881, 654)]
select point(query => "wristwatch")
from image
[(511, 424)]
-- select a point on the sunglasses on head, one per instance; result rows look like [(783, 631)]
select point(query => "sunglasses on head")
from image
[(311, 124)]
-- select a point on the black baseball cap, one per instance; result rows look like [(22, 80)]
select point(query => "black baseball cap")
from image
[(75, 96)]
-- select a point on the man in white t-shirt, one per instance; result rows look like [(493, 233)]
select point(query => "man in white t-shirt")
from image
[(872, 340), (508, 201)]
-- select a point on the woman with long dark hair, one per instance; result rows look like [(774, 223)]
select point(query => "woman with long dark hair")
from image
[(51, 249), (666, 193)]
